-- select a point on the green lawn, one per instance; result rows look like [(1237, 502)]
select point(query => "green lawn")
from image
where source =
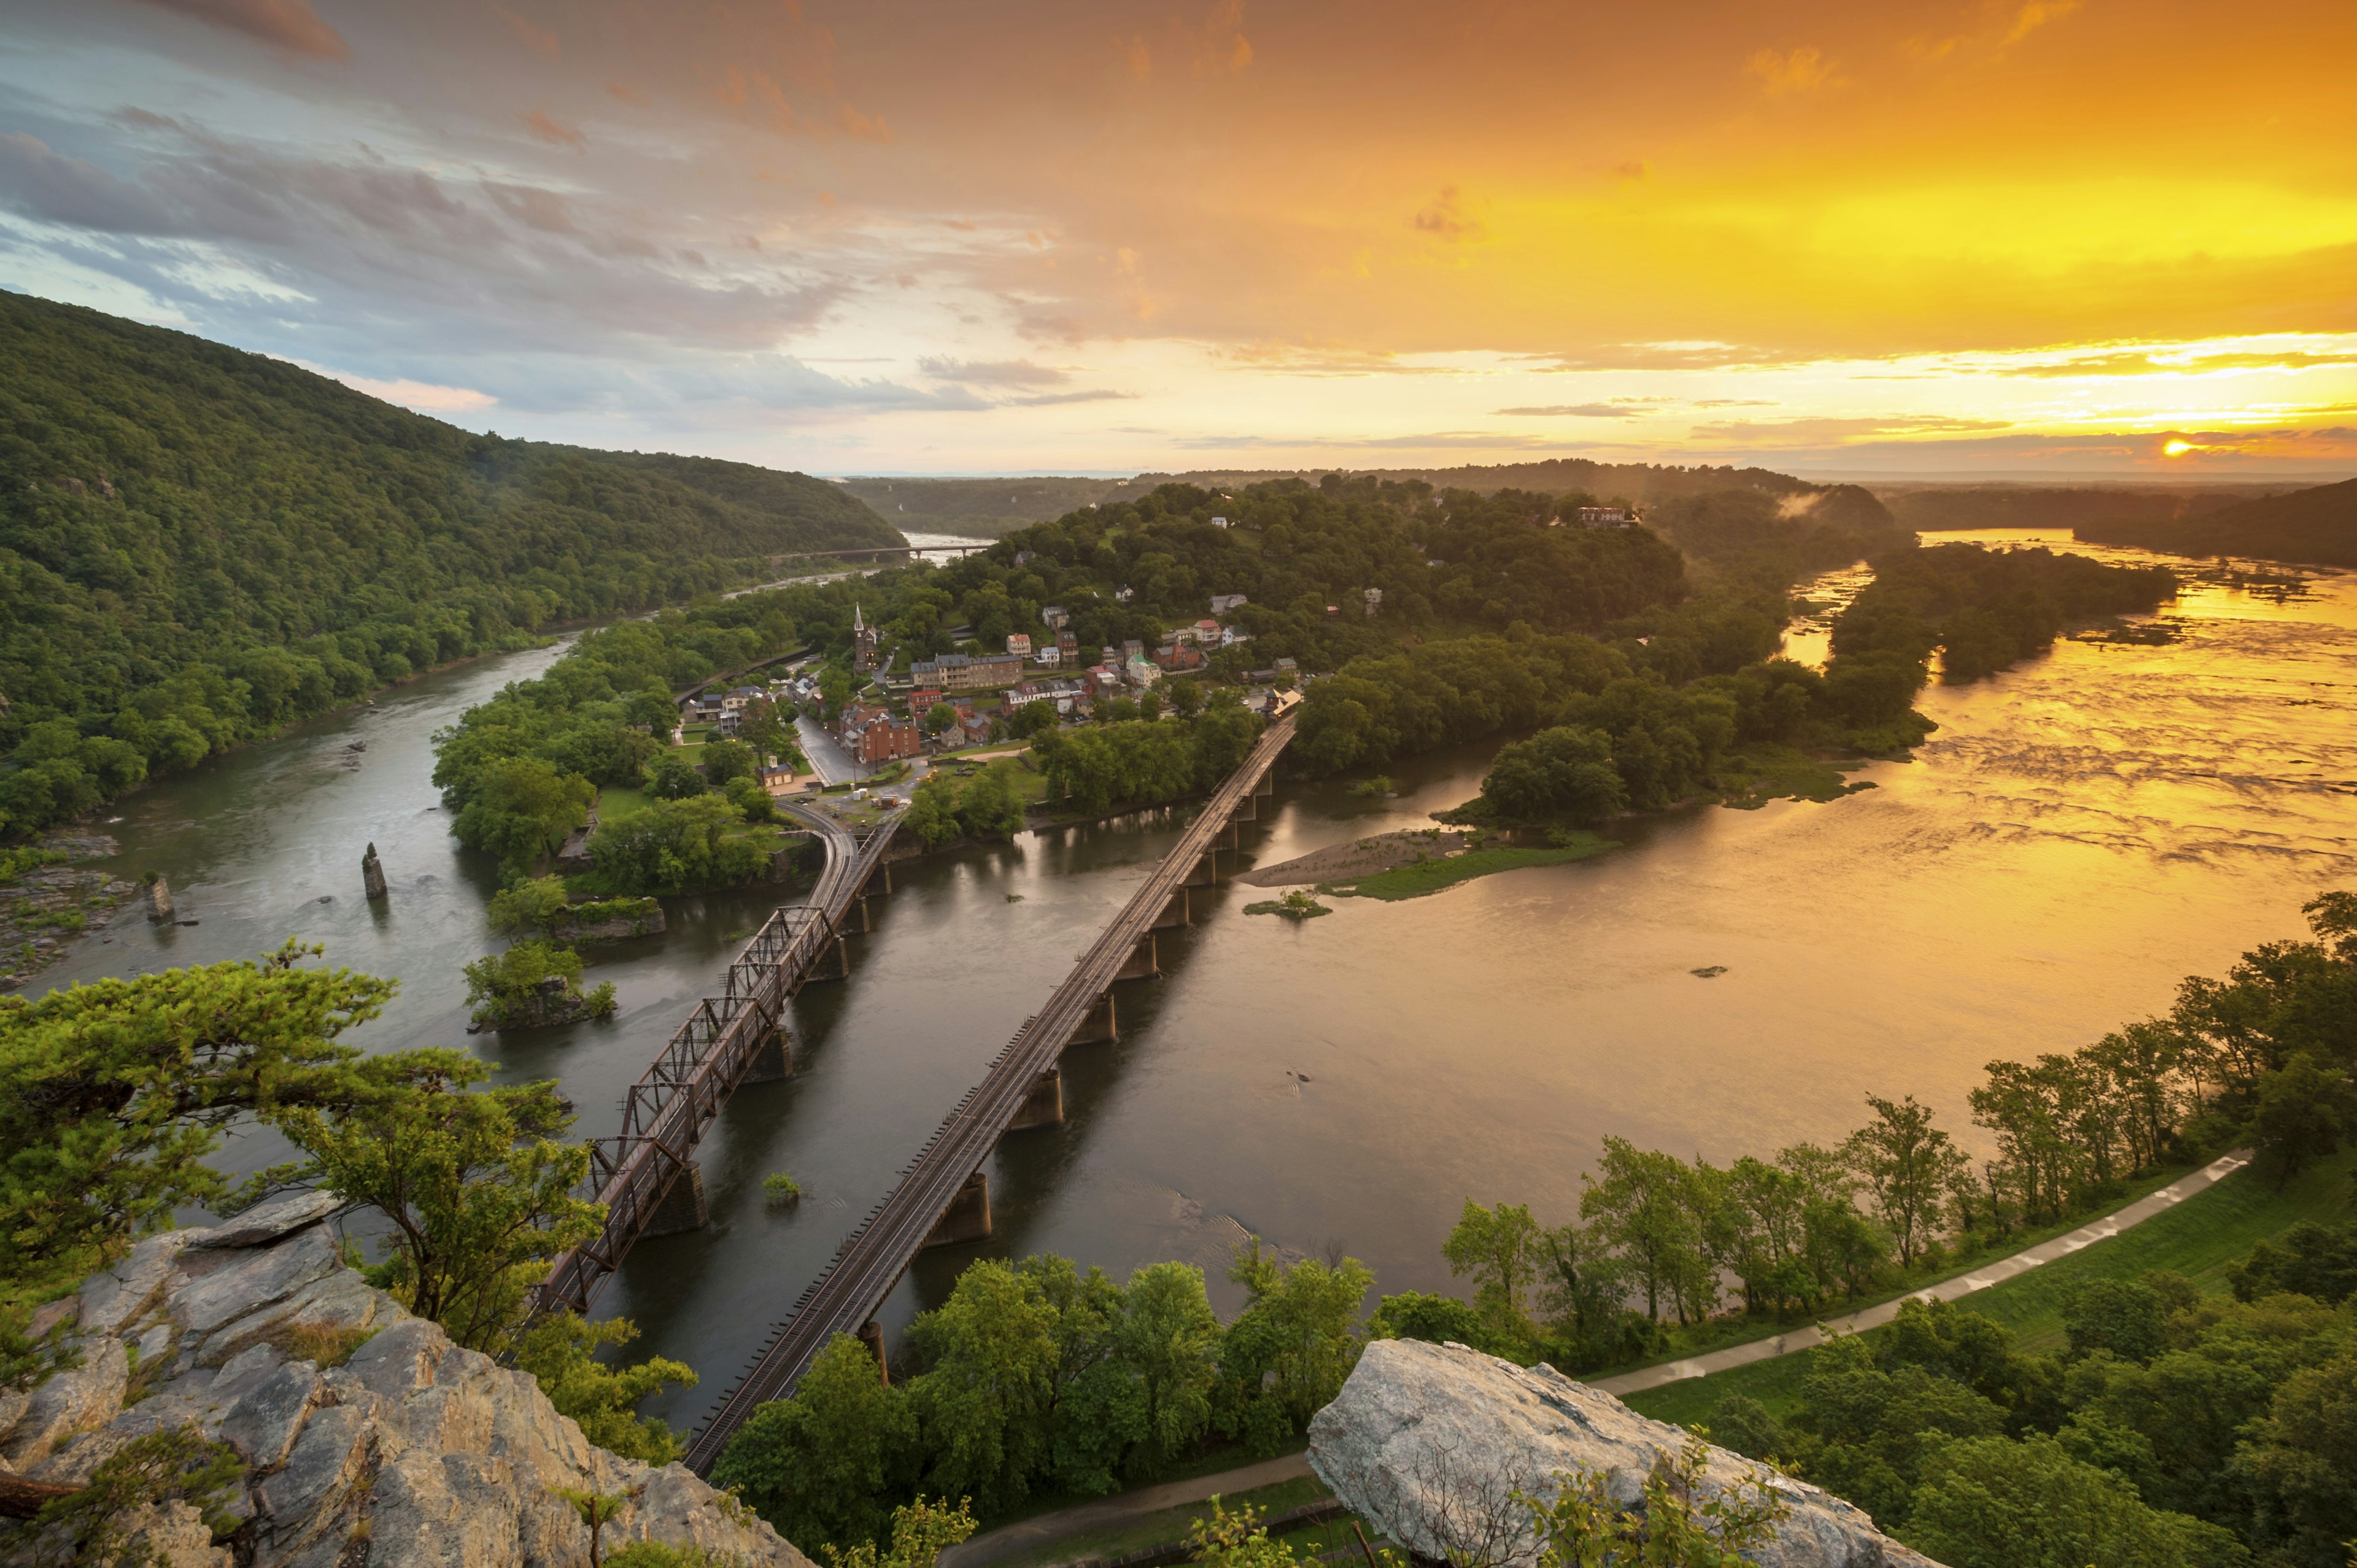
[(1426, 876), (615, 802), (2198, 1238)]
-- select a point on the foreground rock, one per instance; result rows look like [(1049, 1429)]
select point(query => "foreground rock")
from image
[(1431, 1442), (368, 1436)]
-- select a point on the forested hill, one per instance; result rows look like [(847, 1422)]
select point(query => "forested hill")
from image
[(2317, 526), (198, 545)]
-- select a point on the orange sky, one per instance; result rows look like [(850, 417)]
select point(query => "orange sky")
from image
[(2065, 235)]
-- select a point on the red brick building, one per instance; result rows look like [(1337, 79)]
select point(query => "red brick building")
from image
[(874, 735)]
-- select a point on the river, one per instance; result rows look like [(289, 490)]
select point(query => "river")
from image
[(2080, 833)]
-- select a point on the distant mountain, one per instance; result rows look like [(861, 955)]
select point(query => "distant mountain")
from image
[(198, 544), (2318, 527)]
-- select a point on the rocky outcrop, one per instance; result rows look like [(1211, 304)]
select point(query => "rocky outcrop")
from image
[(367, 1435), (1431, 1442)]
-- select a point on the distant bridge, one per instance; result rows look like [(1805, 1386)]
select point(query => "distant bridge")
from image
[(943, 1196), (647, 1176)]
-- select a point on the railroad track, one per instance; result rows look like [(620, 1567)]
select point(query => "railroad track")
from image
[(727, 1039), (873, 1258)]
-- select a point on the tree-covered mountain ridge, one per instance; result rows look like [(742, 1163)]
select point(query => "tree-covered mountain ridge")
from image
[(199, 545), (2316, 526)]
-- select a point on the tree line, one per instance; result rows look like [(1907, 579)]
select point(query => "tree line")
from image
[(199, 546)]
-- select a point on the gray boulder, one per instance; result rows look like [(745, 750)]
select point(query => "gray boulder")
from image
[(265, 1222), (1431, 1442)]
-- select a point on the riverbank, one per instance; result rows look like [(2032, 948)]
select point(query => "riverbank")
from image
[(47, 901)]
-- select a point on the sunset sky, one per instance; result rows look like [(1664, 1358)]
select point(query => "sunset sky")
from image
[(1909, 237)]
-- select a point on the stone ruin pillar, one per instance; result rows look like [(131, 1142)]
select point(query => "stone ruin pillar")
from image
[(372, 873), (160, 908)]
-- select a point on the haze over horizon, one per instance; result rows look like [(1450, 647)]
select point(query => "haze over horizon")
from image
[(1995, 238)]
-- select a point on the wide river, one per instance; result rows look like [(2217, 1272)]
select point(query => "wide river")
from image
[(2081, 833)]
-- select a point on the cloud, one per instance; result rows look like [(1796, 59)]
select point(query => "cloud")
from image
[(1700, 354), (289, 25), (545, 129), (1578, 409), (1446, 216), (1099, 395), (993, 372), (1790, 432), (540, 40), (45, 184), (2002, 24), (1802, 69), (423, 396)]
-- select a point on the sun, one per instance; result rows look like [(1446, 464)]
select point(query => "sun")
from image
[(2177, 449)]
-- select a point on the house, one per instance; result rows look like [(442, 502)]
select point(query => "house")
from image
[(1142, 670), (1374, 598), (1055, 615), (875, 735), (1603, 517), (968, 671), (923, 698), (1132, 648), (1230, 635), (1220, 522), (781, 781), (1123, 594), (1222, 604), (1019, 644), (1207, 631), (1049, 656), (740, 698), (974, 729), (1178, 655)]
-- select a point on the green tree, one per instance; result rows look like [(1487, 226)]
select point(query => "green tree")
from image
[(673, 777), (933, 812), (1500, 1248), (1636, 1209), (752, 801), (476, 1193), (822, 1466), (1032, 718), (1682, 1522), (529, 904), (1238, 1540), (921, 1532), (560, 1351), (983, 1402), (1297, 1340), (1909, 1166), (770, 734), (1993, 1502), (991, 805), (522, 809), (1561, 772), (676, 846), (532, 982), (727, 759), (2302, 1109), (1169, 1339), (941, 716), (112, 1093), (176, 1464)]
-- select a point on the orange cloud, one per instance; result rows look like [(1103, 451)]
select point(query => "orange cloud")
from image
[(1801, 69), (545, 129), (1445, 217), (537, 39), (289, 25)]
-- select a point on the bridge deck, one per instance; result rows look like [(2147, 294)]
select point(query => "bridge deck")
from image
[(682, 1092), (872, 1259)]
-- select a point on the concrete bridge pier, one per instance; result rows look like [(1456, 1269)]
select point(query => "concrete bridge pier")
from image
[(832, 962), (1098, 1027), (871, 1334), (1176, 913), (683, 1207), (1045, 1108), (1247, 808), (772, 1059), (1141, 963), (968, 1218), (856, 919), (1206, 873), (879, 883)]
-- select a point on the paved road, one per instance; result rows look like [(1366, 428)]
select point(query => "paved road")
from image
[(1107, 1513), (2021, 1263)]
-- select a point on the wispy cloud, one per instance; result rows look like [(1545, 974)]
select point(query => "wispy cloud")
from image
[(289, 25), (1578, 410), (1801, 69)]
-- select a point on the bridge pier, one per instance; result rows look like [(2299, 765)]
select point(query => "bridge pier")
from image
[(1046, 1106), (1206, 873), (879, 883), (968, 1218), (871, 1334), (772, 1059), (1246, 810), (1098, 1027), (832, 962), (683, 1207), (1141, 963), (1175, 913), (855, 921)]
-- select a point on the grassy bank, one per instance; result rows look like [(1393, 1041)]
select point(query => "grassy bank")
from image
[(1428, 876), (2198, 1238)]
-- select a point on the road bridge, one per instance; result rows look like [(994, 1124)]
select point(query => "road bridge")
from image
[(943, 1196), (646, 1175)]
